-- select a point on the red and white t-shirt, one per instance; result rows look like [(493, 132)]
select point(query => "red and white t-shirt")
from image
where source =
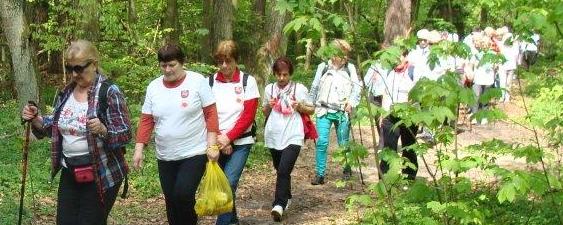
[(180, 128), (231, 98)]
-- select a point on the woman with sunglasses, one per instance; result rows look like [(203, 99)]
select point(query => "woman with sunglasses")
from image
[(89, 128), (237, 101), (180, 108)]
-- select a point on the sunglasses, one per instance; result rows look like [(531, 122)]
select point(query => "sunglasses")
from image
[(77, 68), (221, 61)]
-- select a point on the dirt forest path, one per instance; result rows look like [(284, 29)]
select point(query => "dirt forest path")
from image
[(325, 204)]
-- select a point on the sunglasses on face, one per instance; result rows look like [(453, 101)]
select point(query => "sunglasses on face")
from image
[(221, 61), (77, 68)]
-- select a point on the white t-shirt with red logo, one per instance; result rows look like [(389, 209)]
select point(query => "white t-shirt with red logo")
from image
[(230, 103), (180, 130)]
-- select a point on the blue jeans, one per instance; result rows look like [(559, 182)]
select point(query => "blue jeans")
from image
[(342, 124), (233, 165)]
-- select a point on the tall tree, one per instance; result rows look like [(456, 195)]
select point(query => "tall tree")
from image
[(397, 20), (223, 17), (171, 21), (206, 47), (90, 19), (16, 31)]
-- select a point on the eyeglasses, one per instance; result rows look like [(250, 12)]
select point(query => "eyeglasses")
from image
[(221, 61), (77, 68)]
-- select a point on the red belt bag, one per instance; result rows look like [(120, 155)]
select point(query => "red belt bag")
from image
[(81, 167)]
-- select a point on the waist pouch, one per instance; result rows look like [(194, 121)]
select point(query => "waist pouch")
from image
[(81, 167)]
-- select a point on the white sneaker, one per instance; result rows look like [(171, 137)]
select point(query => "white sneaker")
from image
[(287, 205), (484, 121), (473, 121), (277, 213)]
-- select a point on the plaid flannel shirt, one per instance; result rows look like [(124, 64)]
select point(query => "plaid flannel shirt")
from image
[(111, 165)]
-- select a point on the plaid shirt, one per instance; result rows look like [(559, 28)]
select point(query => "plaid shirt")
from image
[(109, 160)]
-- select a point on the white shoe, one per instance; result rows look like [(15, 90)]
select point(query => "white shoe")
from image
[(287, 205), (484, 121), (277, 213), (473, 121)]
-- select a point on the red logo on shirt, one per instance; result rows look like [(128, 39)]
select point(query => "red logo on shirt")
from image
[(238, 90), (185, 93), (184, 104)]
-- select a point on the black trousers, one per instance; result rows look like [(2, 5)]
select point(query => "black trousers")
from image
[(390, 140), (79, 203), (179, 181), (284, 161)]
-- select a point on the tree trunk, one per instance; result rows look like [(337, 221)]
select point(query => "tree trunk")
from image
[(484, 17), (275, 44), (206, 49), (171, 22), (397, 20), (17, 34), (223, 18), (90, 19), (276, 23), (131, 12)]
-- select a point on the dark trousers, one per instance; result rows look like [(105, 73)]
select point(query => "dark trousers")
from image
[(390, 140), (79, 203), (284, 161), (179, 181)]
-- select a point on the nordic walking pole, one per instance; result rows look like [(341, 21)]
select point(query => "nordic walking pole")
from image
[(24, 163), (353, 139), (359, 163)]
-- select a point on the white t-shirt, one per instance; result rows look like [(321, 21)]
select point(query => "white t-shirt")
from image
[(230, 103), (374, 79), (284, 130), (419, 59), (180, 128), (72, 125), (397, 88), (484, 74), (511, 54)]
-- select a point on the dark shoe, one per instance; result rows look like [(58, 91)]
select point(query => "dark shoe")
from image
[(318, 180), (347, 173)]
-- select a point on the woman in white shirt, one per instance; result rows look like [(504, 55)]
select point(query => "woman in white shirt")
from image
[(179, 106), (283, 133)]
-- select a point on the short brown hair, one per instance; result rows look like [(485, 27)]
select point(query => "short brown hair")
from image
[(282, 63), (171, 52), (226, 49)]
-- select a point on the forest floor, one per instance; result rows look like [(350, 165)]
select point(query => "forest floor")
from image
[(325, 204)]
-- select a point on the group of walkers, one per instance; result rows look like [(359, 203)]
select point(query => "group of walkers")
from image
[(192, 115)]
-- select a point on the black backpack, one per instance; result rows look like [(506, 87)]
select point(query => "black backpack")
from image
[(101, 113), (245, 76)]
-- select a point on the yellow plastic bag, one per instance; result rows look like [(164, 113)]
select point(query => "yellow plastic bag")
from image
[(214, 194)]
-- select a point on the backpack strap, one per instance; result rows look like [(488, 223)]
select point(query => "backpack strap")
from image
[(245, 80), (211, 80), (103, 99), (410, 72)]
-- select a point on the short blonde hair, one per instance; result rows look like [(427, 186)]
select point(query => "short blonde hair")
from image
[(490, 32), (226, 49), (342, 45), (83, 50)]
